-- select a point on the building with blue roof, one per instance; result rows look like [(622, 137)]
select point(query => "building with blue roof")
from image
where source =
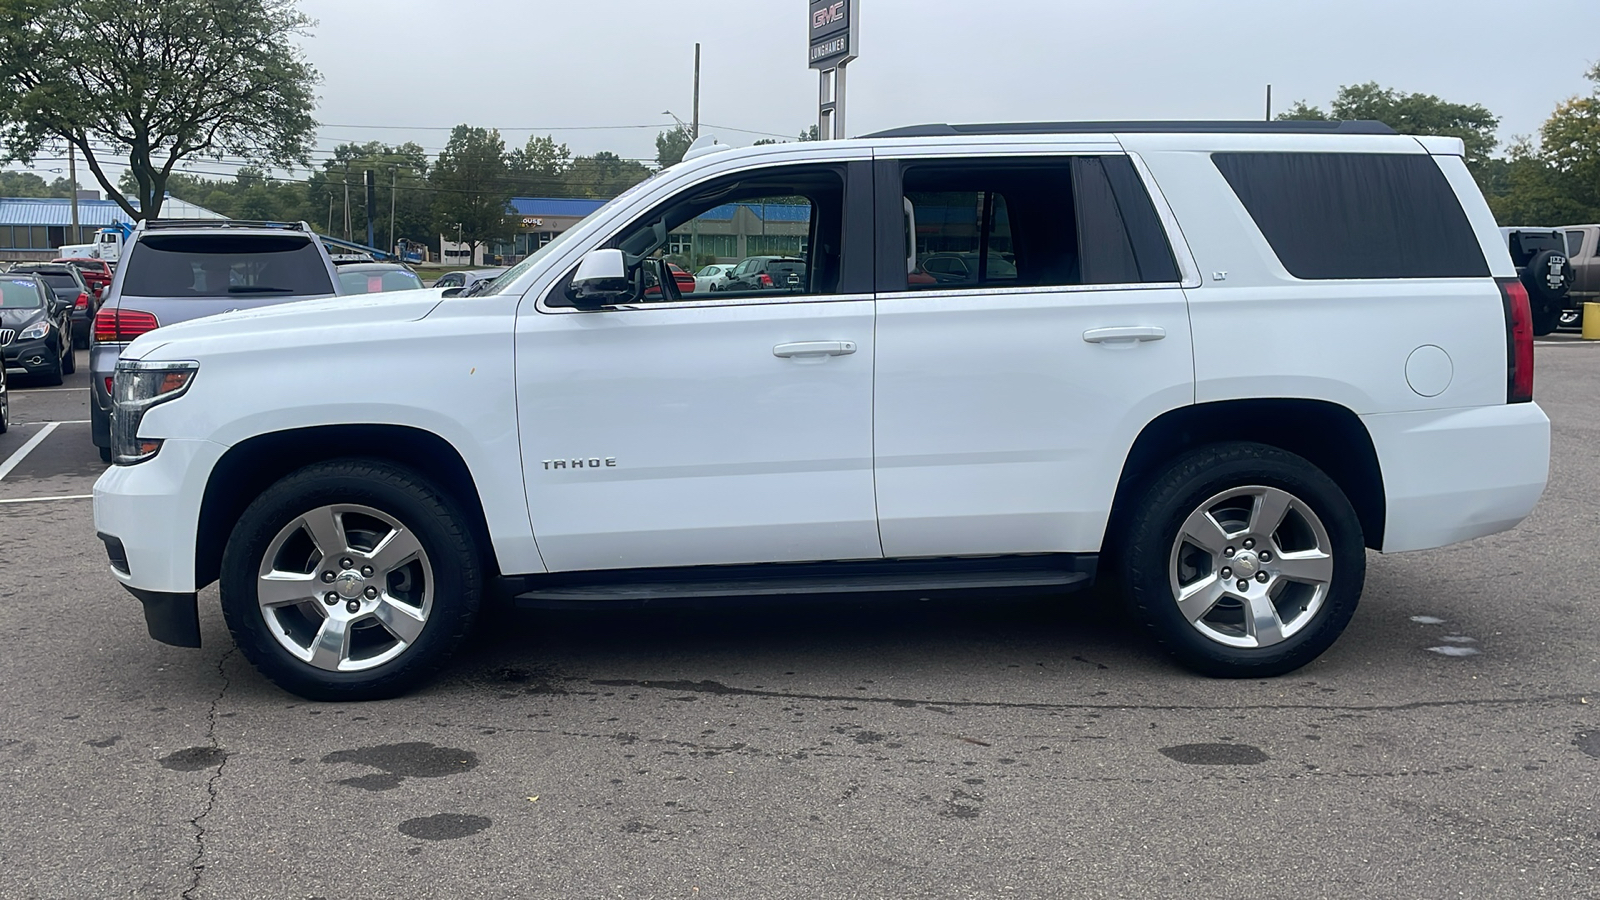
[(34, 227)]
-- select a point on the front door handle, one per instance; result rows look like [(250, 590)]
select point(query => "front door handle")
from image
[(814, 348), (1125, 334)]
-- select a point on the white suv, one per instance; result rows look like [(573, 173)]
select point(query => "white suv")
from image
[(1215, 361)]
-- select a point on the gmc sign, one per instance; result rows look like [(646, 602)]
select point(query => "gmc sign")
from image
[(831, 34)]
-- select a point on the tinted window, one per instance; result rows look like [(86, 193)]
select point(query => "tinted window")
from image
[(373, 282), (225, 265), (1356, 215), (18, 293), (1574, 243), (60, 283)]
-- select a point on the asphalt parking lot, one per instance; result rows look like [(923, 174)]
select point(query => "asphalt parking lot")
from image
[(1448, 745)]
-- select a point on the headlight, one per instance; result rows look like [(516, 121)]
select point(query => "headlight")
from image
[(137, 386), (35, 331)]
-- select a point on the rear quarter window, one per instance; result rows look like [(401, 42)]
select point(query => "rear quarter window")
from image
[(174, 266), (1356, 215)]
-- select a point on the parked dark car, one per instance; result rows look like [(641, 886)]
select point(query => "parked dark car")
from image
[(69, 284), (376, 277), (963, 268), (764, 273), (96, 272), (1540, 255), (5, 401), (35, 329)]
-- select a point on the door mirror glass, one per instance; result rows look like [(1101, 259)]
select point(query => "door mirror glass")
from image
[(601, 278)]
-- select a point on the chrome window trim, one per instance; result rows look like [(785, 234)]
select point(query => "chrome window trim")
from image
[(751, 300), (976, 290)]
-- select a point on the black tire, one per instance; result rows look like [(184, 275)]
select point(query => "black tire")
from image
[(1546, 317), (1148, 559), (433, 519), (52, 376), (1548, 277), (105, 454)]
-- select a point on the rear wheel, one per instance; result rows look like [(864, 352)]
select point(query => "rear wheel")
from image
[(350, 580), (1243, 560)]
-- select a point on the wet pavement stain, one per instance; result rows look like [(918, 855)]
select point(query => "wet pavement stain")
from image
[(103, 744), (374, 782), (193, 759), (1589, 743), (413, 759), (868, 737), (444, 826), (1215, 754)]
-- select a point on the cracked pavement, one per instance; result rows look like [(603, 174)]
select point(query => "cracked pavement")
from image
[(1031, 748)]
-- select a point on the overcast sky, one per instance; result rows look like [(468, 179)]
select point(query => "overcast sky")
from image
[(546, 67)]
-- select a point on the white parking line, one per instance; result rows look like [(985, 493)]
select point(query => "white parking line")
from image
[(46, 499), (62, 422), (25, 449), (23, 393)]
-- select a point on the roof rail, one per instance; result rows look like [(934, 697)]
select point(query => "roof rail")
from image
[(1189, 127), (153, 224)]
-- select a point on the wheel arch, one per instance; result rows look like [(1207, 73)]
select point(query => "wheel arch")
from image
[(252, 465), (1328, 435)]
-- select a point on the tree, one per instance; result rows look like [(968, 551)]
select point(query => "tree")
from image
[(671, 145), (537, 168), (603, 175), (27, 184), (472, 187), (400, 173), (1570, 146), (161, 81), (1411, 114)]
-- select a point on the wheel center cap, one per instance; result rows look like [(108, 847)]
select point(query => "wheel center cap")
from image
[(1246, 564), (348, 585)]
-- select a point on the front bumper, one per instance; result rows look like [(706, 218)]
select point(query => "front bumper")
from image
[(31, 357), (153, 510)]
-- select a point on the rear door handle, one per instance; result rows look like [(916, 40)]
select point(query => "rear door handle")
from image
[(814, 348), (1125, 334)]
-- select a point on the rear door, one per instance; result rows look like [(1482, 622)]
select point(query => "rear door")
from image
[(1584, 254), (1005, 405)]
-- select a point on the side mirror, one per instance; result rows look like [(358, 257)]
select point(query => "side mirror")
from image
[(601, 278), (453, 292)]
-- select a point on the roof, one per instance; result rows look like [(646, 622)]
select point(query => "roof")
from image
[(91, 213), (1190, 127), (554, 206)]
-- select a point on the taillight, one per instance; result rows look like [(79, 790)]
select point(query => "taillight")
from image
[(1519, 341), (119, 326), (766, 280), (83, 300)]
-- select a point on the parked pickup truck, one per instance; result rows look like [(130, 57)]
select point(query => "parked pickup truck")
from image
[(1583, 255)]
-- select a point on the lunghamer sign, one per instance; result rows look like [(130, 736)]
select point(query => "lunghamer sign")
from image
[(832, 36)]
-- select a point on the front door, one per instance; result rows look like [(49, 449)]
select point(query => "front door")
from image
[(1031, 323), (716, 428)]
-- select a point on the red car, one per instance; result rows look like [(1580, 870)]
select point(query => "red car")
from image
[(96, 272), (683, 280)]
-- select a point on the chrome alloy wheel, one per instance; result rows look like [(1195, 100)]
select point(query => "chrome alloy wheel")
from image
[(345, 588), (1251, 566)]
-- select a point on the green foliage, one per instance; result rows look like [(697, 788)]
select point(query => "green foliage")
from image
[(27, 184), (603, 175), (1558, 182), (472, 186), (159, 80), (538, 169), (673, 144), (400, 174), (1410, 114)]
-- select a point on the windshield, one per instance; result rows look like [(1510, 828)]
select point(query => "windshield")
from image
[(18, 293), (377, 281)]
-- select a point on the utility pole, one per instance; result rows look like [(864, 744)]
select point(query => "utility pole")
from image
[(1269, 103), (394, 174), (371, 197), (330, 212), (696, 128), (347, 201), (72, 174)]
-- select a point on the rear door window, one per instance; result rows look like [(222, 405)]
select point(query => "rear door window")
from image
[(1356, 215), (176, 266), (1574, 243)]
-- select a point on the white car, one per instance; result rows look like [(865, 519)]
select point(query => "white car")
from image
[(1223, 361), (712, 278)]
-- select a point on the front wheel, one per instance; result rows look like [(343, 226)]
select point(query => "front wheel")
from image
[(1244, 560), (350, 580)]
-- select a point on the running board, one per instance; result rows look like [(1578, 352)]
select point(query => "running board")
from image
[(640, 586)]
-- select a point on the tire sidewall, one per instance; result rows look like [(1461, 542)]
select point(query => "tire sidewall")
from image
[(395, 491), (1177, 493)]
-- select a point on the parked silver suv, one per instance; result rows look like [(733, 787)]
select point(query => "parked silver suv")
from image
[(173, 270)]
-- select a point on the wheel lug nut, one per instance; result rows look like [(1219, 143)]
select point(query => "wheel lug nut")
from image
[(346, 563), (1261, 577), (372, 593), (1244, 585), (1228, 553), (366, 571), (327, 578), (330, 598), (353, 606), (1265, 556), (1249, 542), (1227, 572)]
